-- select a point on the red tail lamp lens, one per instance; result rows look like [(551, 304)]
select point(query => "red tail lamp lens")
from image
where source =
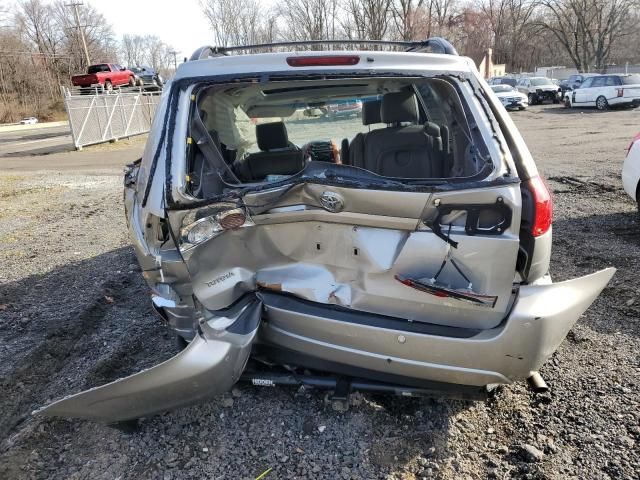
[(323, 61), (543, 206), (232, 219), (635, 139)]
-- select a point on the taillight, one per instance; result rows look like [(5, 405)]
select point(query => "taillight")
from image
[(635, 139), (232, 219), (543, 206), (323, 61), (620, 92)]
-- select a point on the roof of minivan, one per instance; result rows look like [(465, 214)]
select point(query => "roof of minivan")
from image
[(369, 61)]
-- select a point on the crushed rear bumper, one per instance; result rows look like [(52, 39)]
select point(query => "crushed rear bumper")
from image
[(538, 322)]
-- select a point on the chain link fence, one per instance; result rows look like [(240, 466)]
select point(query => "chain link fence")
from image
[(102, 117)]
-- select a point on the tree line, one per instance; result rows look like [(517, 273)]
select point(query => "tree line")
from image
[(585, 34), (41, 45)]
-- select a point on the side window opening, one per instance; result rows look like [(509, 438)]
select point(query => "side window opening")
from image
[(404, 129)]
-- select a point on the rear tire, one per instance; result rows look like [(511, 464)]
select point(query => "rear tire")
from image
[(601, 103), (532, 100), (132, 82), (567, 102)]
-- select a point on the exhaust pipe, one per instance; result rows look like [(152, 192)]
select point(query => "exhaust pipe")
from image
[(537, 383)]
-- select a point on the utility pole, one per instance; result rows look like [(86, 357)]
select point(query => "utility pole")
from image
[(175, 59), (75, 6)]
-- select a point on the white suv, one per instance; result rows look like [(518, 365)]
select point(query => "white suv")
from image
[(606, 91)]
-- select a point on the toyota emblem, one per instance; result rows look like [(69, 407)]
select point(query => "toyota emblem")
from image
[(331, 202)]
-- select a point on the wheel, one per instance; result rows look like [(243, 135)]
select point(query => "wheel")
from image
[(601, 103), (567, 102), (132, 82), (108, 86), (139, 83), (532, 100), (521, 108)]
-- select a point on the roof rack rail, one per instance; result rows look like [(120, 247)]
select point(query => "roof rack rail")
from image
[(430, 45)]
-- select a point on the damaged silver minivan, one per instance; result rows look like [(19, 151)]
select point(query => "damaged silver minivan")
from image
[(349, 219)]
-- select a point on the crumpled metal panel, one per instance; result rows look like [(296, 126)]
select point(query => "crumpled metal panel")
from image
[(538, 323), (210, 365)]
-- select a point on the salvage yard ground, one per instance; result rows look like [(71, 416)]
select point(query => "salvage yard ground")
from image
[(75, 313)]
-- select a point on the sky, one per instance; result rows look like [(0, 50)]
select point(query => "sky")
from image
[(179, 23)]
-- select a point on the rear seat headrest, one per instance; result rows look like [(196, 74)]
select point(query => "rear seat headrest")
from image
[(399, 107), (371, 112), (271, 136)]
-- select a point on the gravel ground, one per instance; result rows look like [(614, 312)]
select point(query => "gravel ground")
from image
[(74, 313)]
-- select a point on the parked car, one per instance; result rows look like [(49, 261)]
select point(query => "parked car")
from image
[(511, 98), (573, 82), (417, 265), (605, 91), (106, 75), (29, 121), (512, 81), (539, 89), (147, 77), (349, 108), (631, 171)]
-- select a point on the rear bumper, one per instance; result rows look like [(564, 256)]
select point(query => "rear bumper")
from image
[(539, 321), (624, 101)]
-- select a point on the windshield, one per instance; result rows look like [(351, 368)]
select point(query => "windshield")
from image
[(536, 82), (502, 88), (631, 80)]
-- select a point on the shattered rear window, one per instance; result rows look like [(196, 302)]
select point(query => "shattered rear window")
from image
[(405, 129)]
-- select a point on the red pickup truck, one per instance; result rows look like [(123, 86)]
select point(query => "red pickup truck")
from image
[(108, 75)]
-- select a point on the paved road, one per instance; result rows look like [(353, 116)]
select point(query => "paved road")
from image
[(35, 141)]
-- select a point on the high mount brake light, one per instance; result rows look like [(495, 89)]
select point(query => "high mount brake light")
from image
[(543, 206), (323, 61)]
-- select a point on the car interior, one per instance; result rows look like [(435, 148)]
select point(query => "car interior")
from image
[(403, 129)]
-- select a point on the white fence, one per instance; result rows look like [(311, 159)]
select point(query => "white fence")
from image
[(103, 117)]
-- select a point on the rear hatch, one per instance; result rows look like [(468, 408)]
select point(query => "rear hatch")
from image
[(372, 253), (439, 250)]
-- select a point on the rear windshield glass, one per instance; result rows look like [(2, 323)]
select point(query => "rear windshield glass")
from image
[(502, 88), (631, 80), (508, 81), (536, 82), (98, 68), (407, 129)]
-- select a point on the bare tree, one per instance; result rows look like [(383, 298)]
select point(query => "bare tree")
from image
[(406, 18), (367, 19), (235, 22), (308, 19), (588, 29)]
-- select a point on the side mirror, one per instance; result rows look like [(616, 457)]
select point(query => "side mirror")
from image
[(122, 69), (578, 82)]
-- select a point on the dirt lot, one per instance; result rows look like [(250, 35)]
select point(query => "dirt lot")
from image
[(74, 313)]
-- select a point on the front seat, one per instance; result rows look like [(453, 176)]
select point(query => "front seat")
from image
[(401, 150), (276, 156)]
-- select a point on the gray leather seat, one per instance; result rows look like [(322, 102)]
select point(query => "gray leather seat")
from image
[(370, 116), (401, 150), (276, 157)]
